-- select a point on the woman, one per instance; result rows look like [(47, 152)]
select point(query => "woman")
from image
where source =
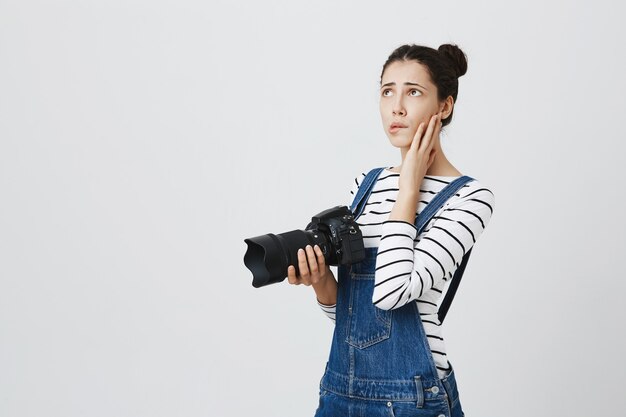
[(388, 356)]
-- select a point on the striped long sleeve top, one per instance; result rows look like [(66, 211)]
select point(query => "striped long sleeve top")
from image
[(412, 268)]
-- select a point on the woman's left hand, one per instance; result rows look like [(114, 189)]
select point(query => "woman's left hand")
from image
[(420, 155)]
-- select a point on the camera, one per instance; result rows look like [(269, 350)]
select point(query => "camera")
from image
[(334, 230)]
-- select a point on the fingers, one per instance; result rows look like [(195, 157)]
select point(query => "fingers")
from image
[(431, 159), (321, 261), (416, 139), (320, 264), (434, 127), (310, 262), (435, 133), (304, 267), (422, 140), (291, 275), (429, 132)]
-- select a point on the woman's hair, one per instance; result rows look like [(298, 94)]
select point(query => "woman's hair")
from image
[(445, 65)]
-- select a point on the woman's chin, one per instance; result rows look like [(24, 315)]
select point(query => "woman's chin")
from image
[(400, 142)]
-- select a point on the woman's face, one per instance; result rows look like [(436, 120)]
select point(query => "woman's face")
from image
[(408, 97)]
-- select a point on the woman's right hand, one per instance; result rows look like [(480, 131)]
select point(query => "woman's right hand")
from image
[(313, 268), (420, 155)]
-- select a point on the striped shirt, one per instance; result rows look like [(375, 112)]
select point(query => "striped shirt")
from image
[(411, 268)]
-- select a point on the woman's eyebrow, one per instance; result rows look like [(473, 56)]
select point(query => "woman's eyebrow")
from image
[(406, 83)]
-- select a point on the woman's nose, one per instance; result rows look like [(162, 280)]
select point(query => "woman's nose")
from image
[(398, 108)]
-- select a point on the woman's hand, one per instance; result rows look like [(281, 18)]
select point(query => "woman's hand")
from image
[(313, 268), (420, 155)]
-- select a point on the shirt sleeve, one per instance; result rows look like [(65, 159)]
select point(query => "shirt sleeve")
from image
[(330, 310), (406, 268)]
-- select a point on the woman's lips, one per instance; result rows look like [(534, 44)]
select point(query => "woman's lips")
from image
[(394, 129)]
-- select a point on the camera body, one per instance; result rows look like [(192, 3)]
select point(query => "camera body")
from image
[(343, 243), (334, 230)]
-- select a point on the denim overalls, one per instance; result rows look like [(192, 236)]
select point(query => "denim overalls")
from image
[(380, 363)]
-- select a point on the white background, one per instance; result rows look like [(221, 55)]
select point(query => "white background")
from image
[(142, 141)]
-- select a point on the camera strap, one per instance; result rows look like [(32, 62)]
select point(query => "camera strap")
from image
[(363, 193)]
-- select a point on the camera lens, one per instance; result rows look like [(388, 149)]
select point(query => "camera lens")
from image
[(268, 256)]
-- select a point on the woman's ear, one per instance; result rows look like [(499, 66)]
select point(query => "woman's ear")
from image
[(446, 107)]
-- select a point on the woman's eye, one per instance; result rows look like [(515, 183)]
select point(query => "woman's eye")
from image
[(384, 93)]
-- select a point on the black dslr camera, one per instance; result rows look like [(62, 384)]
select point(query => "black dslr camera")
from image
[(334, 230)]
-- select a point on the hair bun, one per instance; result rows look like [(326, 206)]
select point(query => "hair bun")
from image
[(456, 57)]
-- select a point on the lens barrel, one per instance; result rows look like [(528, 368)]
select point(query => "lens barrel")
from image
[(268, 256)]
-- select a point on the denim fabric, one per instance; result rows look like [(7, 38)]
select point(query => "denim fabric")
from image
[(380, 363)]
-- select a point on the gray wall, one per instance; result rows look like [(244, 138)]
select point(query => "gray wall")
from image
[(142, 141)]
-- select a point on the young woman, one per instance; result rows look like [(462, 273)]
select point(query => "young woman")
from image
[(388, 356)]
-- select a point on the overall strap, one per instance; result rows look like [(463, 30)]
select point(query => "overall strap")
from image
[(364, 191), (423, 218), (440, 199)]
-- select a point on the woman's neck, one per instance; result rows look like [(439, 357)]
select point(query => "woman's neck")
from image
[(440, 166)]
